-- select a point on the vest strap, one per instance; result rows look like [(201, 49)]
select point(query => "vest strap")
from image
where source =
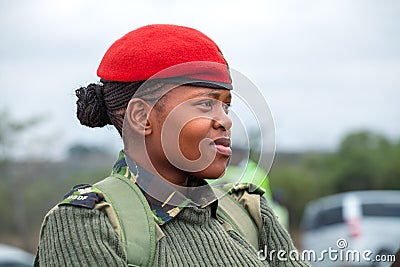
[(133, 213), (230, 211)]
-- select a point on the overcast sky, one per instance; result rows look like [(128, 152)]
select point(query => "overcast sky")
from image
[(325, 67)]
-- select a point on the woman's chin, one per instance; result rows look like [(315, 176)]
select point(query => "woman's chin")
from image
[(214, 171)]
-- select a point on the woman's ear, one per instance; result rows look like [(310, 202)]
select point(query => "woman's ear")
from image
[(137, 116)]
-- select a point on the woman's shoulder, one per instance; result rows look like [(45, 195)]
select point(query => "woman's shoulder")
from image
[(83, 208), (73, 235)]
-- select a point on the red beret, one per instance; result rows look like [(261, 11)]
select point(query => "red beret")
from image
[(146, 51)]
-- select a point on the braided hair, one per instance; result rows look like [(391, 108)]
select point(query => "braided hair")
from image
[(104, 103)]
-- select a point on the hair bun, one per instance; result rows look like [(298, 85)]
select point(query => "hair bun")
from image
[(91, 108)]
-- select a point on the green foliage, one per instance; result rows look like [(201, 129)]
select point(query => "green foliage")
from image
[(81, 151), (29, 190), (367, 161), (363, 161)]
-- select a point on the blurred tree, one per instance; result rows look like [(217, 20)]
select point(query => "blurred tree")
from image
[(10, 131), (80, 150), (363, 161), (31, 186), (13, 179), (366, 160)]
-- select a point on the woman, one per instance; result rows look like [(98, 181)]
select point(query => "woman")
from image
[(166, 89)]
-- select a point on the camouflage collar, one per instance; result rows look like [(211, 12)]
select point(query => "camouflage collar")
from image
[(165, 199)]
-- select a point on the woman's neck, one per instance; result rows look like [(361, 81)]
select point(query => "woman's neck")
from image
[(163, 169)]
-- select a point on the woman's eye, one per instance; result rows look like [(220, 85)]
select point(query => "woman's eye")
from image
[(210, 103), (206, 103), (226, 107)]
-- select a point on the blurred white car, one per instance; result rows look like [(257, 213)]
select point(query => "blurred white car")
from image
[(14, 257), (357, 228)]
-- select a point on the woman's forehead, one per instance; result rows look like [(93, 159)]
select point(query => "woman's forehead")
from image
[(189, 91)]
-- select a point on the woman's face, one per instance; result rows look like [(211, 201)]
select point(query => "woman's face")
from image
[(191, 130)]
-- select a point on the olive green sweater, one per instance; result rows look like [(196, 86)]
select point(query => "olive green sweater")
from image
[(76, 236)]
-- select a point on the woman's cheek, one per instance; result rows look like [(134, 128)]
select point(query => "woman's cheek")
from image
[(191, 136)]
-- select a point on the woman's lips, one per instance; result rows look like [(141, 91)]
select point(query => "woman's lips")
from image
[(224, 150), (222, 146)]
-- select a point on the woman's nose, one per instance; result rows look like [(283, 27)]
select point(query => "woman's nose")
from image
[(222, 120)]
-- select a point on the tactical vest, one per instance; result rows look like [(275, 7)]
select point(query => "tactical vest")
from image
[(138, 232)]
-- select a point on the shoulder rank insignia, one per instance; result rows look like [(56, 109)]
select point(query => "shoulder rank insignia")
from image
[(83, 195)]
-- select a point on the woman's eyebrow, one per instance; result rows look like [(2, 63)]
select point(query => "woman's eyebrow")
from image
[(211, 94)]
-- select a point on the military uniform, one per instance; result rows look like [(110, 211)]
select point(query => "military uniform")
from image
[(80, 232)]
